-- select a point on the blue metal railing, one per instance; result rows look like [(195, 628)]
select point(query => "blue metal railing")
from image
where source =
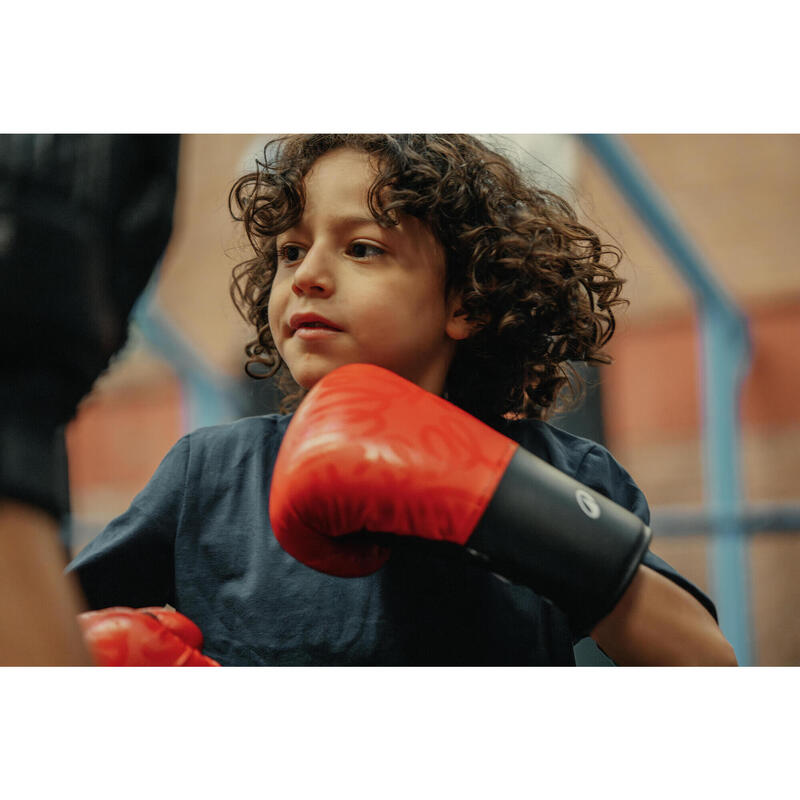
[(725, 358)]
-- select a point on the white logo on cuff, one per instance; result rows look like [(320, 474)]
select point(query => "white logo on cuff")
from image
[(587, 503)]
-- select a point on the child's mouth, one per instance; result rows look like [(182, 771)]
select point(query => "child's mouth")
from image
[(315, 330)]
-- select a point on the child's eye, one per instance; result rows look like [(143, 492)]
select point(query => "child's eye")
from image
[(290, 253), (365, 250)]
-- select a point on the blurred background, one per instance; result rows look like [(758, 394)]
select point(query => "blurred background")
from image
[(724, 493)]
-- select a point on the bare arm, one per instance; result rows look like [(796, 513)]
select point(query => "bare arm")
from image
[(38, 603), (657, 623)]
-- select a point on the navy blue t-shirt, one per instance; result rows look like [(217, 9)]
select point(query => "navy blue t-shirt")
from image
[(198, 537)]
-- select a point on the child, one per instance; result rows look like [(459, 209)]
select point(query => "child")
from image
[(431, 257)]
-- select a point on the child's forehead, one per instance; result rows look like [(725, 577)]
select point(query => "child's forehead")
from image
[(345, 168), (337, 189)]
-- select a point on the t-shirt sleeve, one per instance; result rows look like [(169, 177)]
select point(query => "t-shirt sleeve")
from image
[(602, 472), (131, 562)]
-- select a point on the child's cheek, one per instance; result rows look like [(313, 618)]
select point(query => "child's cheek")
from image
[(274, 318)]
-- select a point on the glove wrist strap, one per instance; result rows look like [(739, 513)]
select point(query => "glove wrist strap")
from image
[(568, 543)]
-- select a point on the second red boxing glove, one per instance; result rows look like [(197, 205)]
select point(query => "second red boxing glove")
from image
[(143, 637)]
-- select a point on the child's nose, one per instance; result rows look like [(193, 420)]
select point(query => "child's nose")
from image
[(313, 275)]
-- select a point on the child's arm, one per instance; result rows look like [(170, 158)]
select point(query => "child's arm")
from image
[(658, 623)]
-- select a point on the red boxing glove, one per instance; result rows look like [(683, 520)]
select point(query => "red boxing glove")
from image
[(143, 637), (368, 451)]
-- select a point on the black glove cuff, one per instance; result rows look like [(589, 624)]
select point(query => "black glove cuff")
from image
[(567, 542), (33, 466)]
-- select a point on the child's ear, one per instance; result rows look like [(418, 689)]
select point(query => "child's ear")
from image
[(458, 326)]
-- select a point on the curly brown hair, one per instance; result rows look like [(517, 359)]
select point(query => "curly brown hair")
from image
[(539, 285)]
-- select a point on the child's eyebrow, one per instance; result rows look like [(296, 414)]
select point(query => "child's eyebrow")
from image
[(340, 223), (353, 221)]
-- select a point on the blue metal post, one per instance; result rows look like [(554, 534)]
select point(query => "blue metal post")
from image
[(725, 354)]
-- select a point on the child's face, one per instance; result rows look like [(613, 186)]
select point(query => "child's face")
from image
[(381, 289)]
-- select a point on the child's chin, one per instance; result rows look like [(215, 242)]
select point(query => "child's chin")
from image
[(308, 378)]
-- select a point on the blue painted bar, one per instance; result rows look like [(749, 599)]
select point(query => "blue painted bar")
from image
[(725, 358), (754, 518), (725, 350), (209, 397)]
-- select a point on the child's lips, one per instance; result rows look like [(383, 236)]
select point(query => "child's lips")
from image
[(305, 322), (315, 334)]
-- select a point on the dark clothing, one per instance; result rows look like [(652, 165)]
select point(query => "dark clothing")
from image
[(84, 218), (199, 538)]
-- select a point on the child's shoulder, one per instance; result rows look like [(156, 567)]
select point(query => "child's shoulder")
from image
[(587, 461), (562, 449), (249, 433)]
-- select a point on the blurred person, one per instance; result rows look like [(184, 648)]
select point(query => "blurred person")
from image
[(84, 220), (415, 507)]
